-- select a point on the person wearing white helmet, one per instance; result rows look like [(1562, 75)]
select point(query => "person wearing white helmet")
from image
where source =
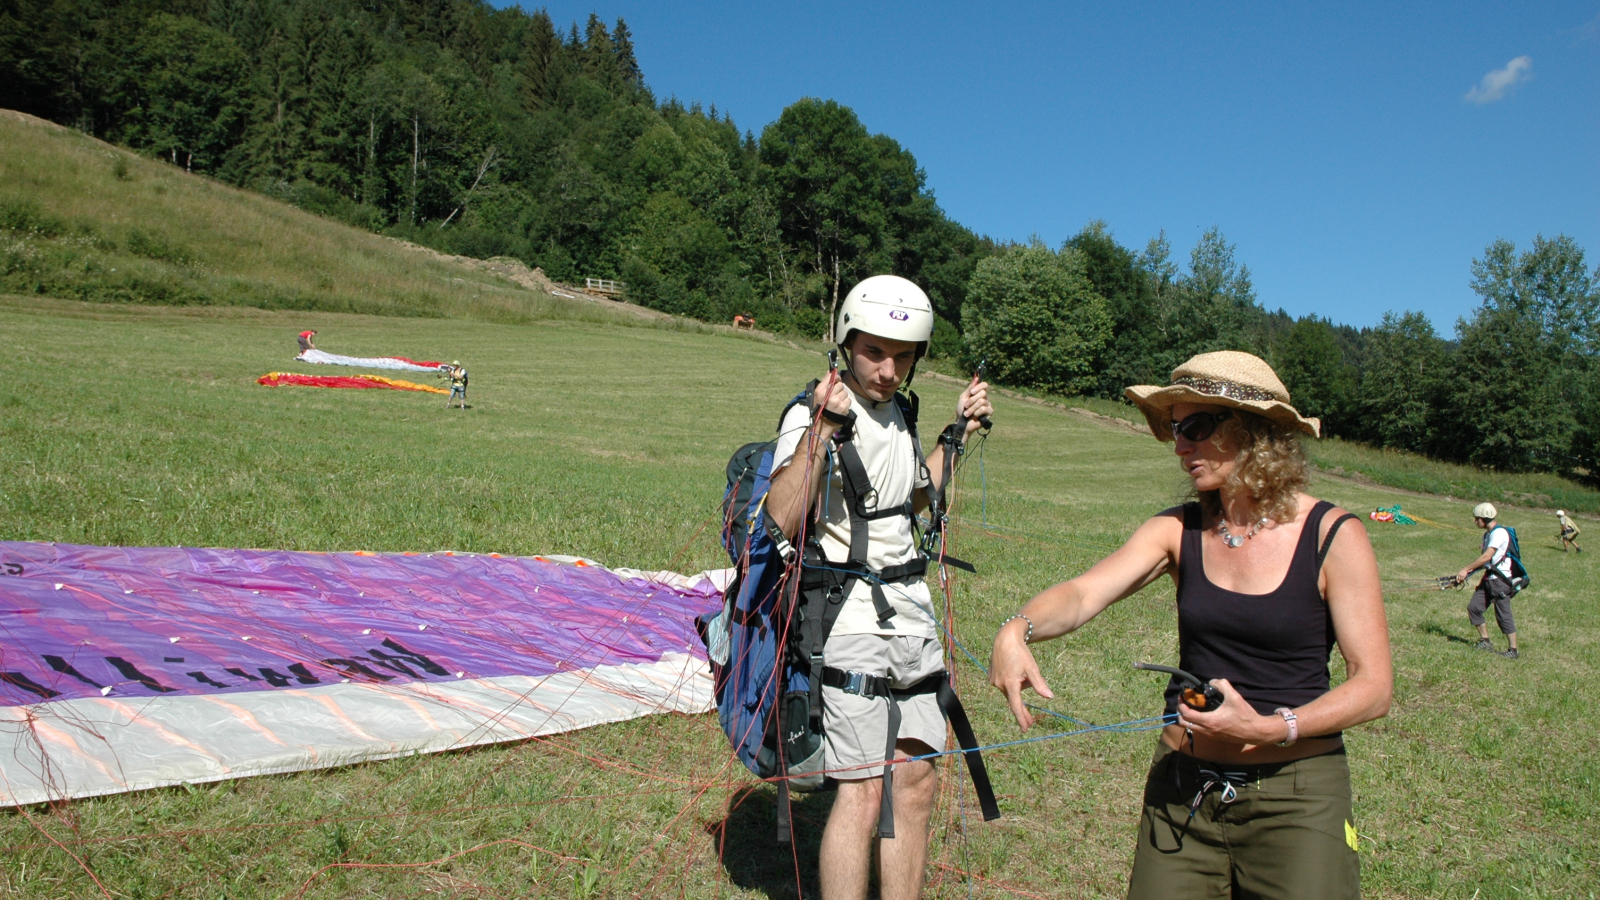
[(1569, 532), (1495, 586), (856, 449)]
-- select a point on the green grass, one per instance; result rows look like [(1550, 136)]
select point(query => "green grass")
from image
[(133, 425), (1412, 472)]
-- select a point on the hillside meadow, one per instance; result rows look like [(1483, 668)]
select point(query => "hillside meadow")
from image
[(136, 425), (82, 219)]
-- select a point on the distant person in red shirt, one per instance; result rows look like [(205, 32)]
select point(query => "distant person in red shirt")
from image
[(306, 342)]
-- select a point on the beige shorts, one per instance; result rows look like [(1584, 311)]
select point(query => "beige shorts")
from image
[(857, 727)]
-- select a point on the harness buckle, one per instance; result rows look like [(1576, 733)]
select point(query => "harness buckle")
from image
[(856, 683)]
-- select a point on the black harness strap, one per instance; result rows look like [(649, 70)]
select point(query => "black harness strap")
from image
[(857, 489), (968, 742), (875, 686), (783, 771)]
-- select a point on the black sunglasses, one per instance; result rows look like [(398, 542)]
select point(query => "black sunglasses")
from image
[(1198, 426)]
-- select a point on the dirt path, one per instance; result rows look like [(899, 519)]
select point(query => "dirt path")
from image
[(516, 271)]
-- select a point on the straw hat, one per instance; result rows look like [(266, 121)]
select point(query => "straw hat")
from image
[(1223, 378)]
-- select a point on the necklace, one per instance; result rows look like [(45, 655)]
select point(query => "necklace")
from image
[(1235, 541)]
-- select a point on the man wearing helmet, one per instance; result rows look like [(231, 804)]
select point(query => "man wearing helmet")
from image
[(1495, 586), (1569, 532), (886, 626)]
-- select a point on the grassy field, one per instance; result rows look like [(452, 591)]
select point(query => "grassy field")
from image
[(133, 425)]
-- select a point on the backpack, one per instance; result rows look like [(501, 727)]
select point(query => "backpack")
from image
[(1519, 574), (765, 644)]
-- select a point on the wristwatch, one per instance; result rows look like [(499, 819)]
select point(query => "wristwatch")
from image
[(1294, 725)]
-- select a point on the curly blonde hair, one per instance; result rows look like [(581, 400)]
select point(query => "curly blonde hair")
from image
[(1270, 465)]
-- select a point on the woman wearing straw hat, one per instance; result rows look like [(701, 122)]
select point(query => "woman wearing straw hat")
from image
[(1253, 797)]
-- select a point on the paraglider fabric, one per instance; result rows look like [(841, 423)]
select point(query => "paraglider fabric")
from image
[(125, 668), (281, 379), (368, 362), (1391, 514)]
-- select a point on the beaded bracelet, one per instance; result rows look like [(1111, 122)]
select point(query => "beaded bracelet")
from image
[(1027, 638)]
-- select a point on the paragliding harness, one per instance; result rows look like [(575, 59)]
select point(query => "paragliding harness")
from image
[(766, 643), (1519, 574)]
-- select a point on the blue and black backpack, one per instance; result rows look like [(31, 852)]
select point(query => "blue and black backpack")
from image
[(1519, 573), (765, 644)]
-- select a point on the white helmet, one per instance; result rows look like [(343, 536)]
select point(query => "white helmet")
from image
[(1561, 512), (1485, 511), (890, 307)]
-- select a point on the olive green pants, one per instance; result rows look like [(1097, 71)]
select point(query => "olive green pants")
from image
[(1282, 830)]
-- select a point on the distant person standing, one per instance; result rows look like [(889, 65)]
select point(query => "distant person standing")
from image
[(457, 373), (1495, 587), (306, 342), (1569, 532)]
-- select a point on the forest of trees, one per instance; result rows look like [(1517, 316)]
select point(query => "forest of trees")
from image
[(491, 132)]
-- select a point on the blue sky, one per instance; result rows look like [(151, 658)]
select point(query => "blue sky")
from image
[(1358, 157)]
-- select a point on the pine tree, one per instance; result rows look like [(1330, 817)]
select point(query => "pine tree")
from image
[(600, 55), (539, 48), (627, 66)]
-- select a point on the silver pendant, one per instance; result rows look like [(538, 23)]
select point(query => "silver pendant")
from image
[(1234, 540)]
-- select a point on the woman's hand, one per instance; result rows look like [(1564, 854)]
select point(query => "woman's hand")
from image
[(1235, 721), (1012, 669)]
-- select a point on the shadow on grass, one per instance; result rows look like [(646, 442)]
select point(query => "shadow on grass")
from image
[(747, 843), (1438, 630)]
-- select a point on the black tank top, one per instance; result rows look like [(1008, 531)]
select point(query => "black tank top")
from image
[(1273, 648)]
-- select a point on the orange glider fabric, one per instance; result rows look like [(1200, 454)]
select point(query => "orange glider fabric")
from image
[(279, 379)]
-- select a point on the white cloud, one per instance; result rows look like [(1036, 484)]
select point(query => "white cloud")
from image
[(1590, 29), (1499, 82)]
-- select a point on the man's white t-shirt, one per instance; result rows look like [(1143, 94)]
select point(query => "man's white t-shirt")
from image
[(1500, 540), (890, 458)]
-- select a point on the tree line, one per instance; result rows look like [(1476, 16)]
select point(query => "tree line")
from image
[(1516, 387), (491, 132)]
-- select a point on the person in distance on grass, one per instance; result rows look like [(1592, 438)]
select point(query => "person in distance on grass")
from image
[(883, 329), (1569, 532), (306, 342), (457, 373), (1495, 585), (1253, 797)]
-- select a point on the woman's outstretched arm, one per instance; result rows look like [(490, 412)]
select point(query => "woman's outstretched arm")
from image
[(1150, 553)]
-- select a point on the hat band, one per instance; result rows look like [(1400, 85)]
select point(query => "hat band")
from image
[(1231, 390)]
